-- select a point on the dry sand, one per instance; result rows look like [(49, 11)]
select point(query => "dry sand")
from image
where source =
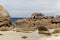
[(11, 35)]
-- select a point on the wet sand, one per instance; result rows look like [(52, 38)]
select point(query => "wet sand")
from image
[(12, 35)]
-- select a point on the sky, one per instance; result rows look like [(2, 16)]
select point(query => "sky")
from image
[(25, 8)]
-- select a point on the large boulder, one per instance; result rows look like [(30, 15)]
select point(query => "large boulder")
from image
[(5, 20)]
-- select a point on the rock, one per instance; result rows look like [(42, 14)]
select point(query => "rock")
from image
[(55, 21), (5, 20), (51, 17), (44, 32), (24, 37), (26, 25), (56, 35), (56, 31), (36, 22), (37, 16), (42, 28), (1, 34), (46, 17), (57, 16)]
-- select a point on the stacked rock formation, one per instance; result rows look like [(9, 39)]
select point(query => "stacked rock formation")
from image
[(29, 24), (5, 21), (40, 22)]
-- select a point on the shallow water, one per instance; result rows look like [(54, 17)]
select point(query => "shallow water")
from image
[(14, 19)]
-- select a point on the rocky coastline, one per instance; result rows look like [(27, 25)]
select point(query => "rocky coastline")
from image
[(38, 21)]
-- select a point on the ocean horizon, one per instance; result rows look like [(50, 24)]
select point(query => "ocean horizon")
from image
[(15, 19)]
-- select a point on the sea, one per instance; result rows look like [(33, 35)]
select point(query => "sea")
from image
[(15, 19)]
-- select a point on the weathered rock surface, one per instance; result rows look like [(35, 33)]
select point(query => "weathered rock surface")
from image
[(37, 16), (5, 21), (56, 31), (26, 25), (40, 22)]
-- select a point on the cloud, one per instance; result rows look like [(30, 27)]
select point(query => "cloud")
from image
[(24, 8)]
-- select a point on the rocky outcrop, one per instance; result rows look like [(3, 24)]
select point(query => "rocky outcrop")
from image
[(5, 21), (40, 22), (26, 25)]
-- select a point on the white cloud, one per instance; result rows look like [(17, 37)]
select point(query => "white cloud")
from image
[(24, 8)]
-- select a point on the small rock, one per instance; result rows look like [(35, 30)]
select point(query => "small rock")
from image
[(1, 34), (24, 37), (45, 32), (56, 35)]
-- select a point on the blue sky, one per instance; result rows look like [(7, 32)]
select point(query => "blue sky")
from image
[(24, 8)]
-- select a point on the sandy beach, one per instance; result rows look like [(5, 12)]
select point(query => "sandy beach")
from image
[(11, 35)]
